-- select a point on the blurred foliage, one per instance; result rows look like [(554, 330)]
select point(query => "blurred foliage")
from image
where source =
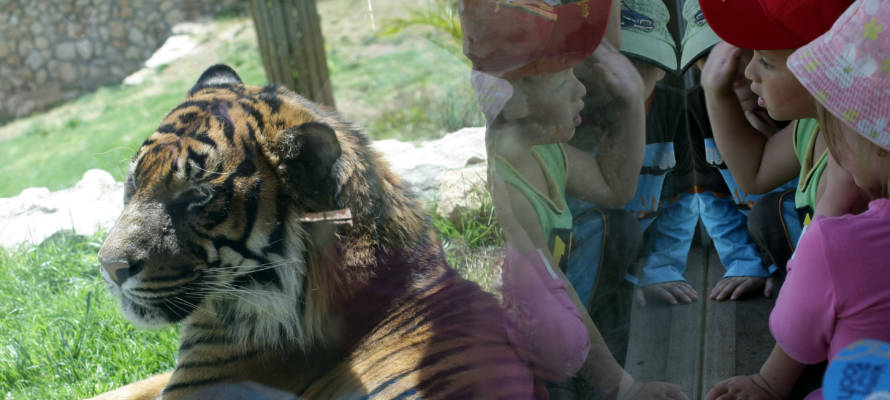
[(439, 16)]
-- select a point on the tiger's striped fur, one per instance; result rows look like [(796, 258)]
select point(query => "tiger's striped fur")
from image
[(211, 236)]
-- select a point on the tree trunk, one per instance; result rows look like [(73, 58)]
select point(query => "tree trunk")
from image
[(292, 46)]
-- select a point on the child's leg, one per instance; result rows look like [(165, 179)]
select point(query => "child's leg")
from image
[(727, 227), (668, 240), (610, 299), (775, 226), (605, 243), (588, 242), (745, 269)]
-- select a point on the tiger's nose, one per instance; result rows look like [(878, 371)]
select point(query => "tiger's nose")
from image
[(118, 270)]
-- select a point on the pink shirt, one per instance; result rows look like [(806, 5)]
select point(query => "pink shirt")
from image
[(838, 286)]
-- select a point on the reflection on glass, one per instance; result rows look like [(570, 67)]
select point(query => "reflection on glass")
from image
[(679, 184), (293, 258)]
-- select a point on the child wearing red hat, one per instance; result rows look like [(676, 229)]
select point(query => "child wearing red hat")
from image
[(523, 52), (759, 163)]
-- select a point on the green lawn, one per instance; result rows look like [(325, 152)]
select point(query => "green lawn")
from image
[(61, 333)]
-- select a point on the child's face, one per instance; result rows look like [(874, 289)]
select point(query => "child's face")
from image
[(860, 158), (778, 90), (554, 101)]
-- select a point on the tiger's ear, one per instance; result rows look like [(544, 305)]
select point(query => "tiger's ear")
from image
[(307, 154), (219, 74)]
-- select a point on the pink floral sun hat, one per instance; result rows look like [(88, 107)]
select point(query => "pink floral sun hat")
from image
[(847, 69)]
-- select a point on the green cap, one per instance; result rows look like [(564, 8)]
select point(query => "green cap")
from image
[(644, 33), (698, 37)]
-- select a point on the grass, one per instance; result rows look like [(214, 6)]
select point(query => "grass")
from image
[(61, 333), (473, 241)]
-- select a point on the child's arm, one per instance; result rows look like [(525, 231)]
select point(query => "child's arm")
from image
[(775, 380), (613, 30), (610, 178), (758, 164)]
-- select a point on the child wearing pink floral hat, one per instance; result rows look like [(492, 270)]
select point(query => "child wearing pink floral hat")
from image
[(837, 290)]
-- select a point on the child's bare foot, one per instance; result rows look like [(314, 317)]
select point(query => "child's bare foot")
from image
[(734, 287), (670, 292)]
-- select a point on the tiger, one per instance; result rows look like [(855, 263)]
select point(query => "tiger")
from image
[(294, 259)]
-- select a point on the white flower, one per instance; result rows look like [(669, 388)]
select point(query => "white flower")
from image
[(847, 67)]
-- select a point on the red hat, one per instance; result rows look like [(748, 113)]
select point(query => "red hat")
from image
[(771, 24), (515, 38)]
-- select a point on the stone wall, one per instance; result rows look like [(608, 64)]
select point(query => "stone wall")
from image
[(53, 50)]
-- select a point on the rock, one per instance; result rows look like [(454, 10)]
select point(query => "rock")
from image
[(41, 42), (40, 78), (65, 51), (24, 103), (116, 29), (84, 48), (68, 73), (138, 77), (448, 172), (25, 48), (461, 192), (34, 60), (175, 47), (136, 37), (35, 214)]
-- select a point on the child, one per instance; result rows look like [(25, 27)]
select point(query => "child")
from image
[(608, 239), (671, 214), (725, 208), (762, 163), (663, 201), (522, 61), (836, 291)]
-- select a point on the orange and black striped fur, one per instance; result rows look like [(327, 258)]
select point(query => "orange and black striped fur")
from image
[(211, 236)]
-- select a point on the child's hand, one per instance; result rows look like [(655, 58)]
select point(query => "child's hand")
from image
[(721, 70), (756, 115), (670, 292), (750, 387), (736, 286), (619, 79)]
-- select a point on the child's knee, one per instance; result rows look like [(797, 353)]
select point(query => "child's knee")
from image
[(765, 217)]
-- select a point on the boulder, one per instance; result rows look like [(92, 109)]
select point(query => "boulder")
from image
[(449, 173), (35, 214)]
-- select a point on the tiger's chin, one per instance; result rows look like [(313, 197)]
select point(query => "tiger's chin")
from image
[(156, 316)]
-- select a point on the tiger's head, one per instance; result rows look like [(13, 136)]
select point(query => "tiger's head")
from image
[(211, 230)]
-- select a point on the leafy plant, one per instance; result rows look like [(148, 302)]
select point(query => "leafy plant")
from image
[(440, 16)]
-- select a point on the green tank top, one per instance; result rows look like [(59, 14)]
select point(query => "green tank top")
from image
[(805, 133), (553, 214)]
